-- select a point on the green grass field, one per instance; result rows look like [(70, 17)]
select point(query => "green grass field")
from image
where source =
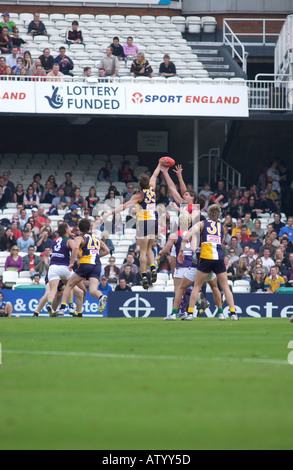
[(145, 384)]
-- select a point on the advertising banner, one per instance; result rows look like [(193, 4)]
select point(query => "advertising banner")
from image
[(17, 97), (147, 99), (157, 304)]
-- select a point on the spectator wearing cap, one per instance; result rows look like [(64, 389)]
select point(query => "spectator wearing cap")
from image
[(61, 201), (7, 22), (254, 243), (264, 204), (72, 217), (25, 241)]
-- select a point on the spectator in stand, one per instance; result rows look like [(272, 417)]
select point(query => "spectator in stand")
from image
[(206, 191), (48, 194), (277, 224), (6, 190), (112, 271), (2, 65), (109, 63), (243, 270), (43, 241), (273, 176), (245, 238), (257, 229), (72, 217), (87, 73), (285, 182), (61, 201), (126, 195), (53, 181), (267, 261), (271, 194), (65, 63), (36, 27), (14, 260), (15, 230), (18, 41), (229, 268), (268, 244), (236, 246), (43, 266), (73, 35), (47, 60), (118, 224), (264, 205), (255, 243), (275, 241), (107, 173), (289, 271), (129, 276), (6, 308), (7, 22), (233, 258), (287, 229), (126, 173), (30, 199), (251, 207), (274, 281), (6, 43), (8, 73), (23, 218), (122, 286), (228, 222), (167, 68), (130, 260), (108, 242), (130, 49), (28, 62), (25, 241), (117, 49), (39, 218), (68, 185), (55, 75), (92, 200), (11, 60), (257, 283), (105, 288), (31, 260), (39, 74), (140, 67), (19, 65), (78, 199), (3, 199), (7, 240), (248, 222)]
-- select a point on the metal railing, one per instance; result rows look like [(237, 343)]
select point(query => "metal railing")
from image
[(260, 35), (269, 95), (231, 40), (217, 169)]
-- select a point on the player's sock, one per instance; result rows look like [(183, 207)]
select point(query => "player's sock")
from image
[(70, 305), (174, 310), (79, 314), (153, 266), (190, 311), (220, 310), (63, 306)]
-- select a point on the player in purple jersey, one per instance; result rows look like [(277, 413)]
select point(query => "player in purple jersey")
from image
[(88, 249), (59, 266), (210, 260)]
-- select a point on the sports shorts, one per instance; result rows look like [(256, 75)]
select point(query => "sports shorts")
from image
[(179, 273), (209, 265), (88, 271), (147, 228), (191, 272), (59, 272)]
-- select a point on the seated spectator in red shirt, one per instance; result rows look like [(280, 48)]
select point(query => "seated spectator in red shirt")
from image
[(39, 73), (126, 173), (5, 41), (2, 65)]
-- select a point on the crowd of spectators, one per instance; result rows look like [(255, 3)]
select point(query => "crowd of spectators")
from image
[(16, 59), (263, 256)]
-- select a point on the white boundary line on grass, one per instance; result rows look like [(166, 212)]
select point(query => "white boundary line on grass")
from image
[(148, 357)]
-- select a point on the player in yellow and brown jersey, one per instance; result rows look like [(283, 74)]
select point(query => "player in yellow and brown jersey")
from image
[(147, 223)]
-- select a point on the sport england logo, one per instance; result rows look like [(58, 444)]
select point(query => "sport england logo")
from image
[(137, 98), (55, 101)]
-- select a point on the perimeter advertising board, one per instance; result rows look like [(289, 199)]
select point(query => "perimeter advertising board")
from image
[(157, 304)]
